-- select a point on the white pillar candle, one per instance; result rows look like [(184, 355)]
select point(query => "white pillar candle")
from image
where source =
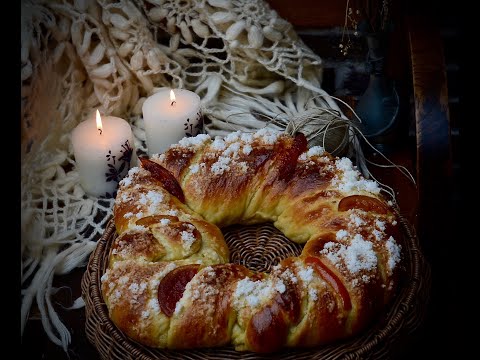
[(169, 120), (103, 149)]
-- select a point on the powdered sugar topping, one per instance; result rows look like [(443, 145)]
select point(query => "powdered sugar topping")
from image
[(165, 222), (288, 274), (247, 149), (356, 221), (187, 239), (158, 157), (394, 252), (153, 305), (222, 165), (140, 228), (350, 179), (341, 234), (313, 151), (312, 294), (357, 256), (380, 225), (127, 180), (154, 199), (267, 136), (306, 274), (194, 141), (232, 147), (194, 168), (253, 293), (218, 144)]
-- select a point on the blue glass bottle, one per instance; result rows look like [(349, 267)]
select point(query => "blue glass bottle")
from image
[(378, 107)]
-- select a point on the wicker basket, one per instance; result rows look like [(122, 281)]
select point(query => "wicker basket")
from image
[(259, 247)]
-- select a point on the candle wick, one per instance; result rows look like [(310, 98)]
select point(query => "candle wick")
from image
[(100, 130), (173, 102)]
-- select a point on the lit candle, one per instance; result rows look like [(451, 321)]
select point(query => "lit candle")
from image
[(169, 116), (103, 153)]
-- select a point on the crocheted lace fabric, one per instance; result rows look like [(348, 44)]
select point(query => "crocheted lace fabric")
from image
[(247, 64)]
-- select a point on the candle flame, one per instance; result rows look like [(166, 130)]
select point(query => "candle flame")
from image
[(99, 123), (172, 97)]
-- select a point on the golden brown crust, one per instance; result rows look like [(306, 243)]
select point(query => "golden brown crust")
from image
[(137, 244), (129, 290), (345, 275), (206, 307)]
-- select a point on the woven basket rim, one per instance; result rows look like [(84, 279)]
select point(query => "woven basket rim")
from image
[(402, 317)]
